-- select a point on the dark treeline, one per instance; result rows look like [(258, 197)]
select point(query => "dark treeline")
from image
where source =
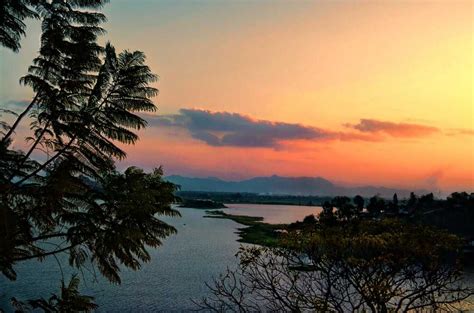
[(255, 198), (455, 213), (201, 204)]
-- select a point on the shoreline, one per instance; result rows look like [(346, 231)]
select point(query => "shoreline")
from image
[(255, 231)]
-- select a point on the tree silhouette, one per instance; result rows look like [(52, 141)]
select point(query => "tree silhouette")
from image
[(327, 215), (359, 203), (12, 27), (86, 102), (376, 205), (371, 266), (69, 300), (68, 52), (395, 200)]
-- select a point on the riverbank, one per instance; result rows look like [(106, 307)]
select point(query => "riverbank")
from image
[(256, 231)]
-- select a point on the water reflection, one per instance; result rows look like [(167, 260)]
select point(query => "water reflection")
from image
[(273, 214)]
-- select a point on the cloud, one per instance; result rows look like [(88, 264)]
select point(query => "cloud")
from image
[(393, 129), (460, 131), (233, 129)]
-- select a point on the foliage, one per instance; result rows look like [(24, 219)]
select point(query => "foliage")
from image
[(12, 27), (69, 198), (341, 209), (255, 232), (70, 300), (369, 266)]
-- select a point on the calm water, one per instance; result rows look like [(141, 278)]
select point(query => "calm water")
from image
[(274, 214), (202, 249)]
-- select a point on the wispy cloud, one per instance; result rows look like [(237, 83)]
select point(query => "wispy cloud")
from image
[(393, 129), (460, 131)]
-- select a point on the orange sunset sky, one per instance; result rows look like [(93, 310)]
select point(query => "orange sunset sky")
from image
[(358, 92)]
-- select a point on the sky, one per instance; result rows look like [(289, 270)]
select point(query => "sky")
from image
[(358, 92)]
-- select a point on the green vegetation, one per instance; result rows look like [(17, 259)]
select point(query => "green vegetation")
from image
[(346, 261), (455, 214), (255, 232)]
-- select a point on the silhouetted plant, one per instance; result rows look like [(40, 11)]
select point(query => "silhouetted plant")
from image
[(375, 266), (327, 216), (359, 203), (376, 205), (12, 26), (70, 300), (86, 102)]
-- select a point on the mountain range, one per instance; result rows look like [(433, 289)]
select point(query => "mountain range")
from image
[(302, 186)]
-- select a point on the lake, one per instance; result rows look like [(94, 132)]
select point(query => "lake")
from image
[(202, 249), (273, 214)]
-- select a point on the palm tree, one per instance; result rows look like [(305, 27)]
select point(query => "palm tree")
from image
[(68, 51), (12, 27), (87, 100)]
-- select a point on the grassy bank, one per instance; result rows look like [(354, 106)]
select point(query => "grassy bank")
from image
[(256, 231)]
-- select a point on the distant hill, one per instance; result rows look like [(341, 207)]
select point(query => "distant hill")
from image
[(303, 186)]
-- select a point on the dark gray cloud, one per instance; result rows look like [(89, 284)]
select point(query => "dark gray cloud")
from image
[(232, 129)]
